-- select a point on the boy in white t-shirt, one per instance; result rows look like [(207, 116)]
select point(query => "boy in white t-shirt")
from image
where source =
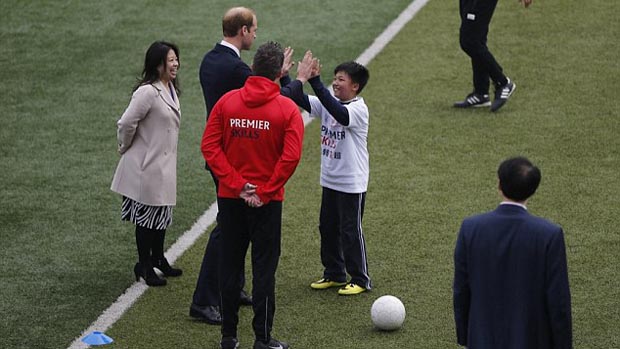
[(344, 169)]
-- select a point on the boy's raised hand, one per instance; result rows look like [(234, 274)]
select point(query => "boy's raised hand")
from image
[(316, 67)]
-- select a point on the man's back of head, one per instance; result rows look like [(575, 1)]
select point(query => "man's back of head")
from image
[(235, 18), (518, 178), (239, 27), (268, 60)]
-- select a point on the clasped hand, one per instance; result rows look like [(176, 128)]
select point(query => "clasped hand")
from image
[(248, 194)]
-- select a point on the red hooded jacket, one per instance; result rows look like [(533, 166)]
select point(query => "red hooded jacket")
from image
[(254, 135)]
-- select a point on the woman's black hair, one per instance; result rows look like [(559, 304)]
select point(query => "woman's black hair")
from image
[(156, 56)]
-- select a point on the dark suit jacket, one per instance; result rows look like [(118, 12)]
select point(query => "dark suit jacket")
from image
[(221, 70), (511, 282)]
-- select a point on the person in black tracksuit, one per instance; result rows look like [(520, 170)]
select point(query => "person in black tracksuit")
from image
[(252, 143), (475, 19)]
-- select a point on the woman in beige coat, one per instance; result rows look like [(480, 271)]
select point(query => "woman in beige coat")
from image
[(146, 172)]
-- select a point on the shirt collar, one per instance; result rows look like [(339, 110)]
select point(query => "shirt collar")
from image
[(230, 46), (514, 204), (349, 101)]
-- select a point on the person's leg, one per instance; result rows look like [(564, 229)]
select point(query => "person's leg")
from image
[(143, 243), (206, 292), (353, 244), (475, 19), (233, 248), (266, 227), (157, 254), (144, 268), (331, 246), (480, 77), (207, 287)]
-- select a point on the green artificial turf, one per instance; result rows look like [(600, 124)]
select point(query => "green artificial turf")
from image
[(68, 71)]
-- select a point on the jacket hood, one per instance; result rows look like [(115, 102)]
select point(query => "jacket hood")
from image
[(258, 90)]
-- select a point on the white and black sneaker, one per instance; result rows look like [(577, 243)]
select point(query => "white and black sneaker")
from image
[(273, 344), (502, 93), (474, 100)]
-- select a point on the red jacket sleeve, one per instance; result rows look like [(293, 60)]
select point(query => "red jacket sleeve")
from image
[(291, 154), (211, 146)]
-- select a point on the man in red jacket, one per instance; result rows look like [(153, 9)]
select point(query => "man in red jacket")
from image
[(252, 143)]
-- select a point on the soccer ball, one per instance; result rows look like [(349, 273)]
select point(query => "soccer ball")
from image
[(387, 313)]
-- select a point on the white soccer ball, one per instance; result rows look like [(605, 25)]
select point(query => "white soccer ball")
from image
[(387, 313)]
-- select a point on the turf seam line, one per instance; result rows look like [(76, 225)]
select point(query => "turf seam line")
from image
[(188, 238)]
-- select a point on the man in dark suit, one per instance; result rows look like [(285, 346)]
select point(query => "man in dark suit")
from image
[(510, 272), (222, 70)]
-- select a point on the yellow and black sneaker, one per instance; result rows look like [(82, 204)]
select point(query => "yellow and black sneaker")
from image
[(351, 289), (326, 283)]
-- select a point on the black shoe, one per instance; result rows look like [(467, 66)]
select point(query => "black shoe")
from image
[(273, 344), (474, 100), (165, 268), (245, 298), (229, 343), (209, 314), (146, 272), (502, 93)]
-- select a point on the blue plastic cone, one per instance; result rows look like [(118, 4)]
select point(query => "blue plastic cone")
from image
[(97, 338)]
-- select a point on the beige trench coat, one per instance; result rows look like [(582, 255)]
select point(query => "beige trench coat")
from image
[(148, 132)]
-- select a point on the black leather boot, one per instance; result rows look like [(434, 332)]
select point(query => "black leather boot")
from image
[(145, 271), (163, 265)]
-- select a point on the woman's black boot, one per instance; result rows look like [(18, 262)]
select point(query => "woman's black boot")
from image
[(159, 261), (163, 265), (144, 268), (145, 271)]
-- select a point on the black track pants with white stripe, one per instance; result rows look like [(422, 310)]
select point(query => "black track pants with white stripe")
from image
[(242, 225), (343, 248)]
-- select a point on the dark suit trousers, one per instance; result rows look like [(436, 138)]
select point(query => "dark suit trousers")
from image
[(262, 227), (207, 286), (475, 18)]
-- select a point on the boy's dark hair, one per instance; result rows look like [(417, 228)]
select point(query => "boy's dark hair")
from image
[(358, 73), (268, 60), (518, 178)]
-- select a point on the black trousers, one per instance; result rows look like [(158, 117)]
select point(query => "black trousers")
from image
[(343, 248), (242, 225), (207, 287), (475, 18)]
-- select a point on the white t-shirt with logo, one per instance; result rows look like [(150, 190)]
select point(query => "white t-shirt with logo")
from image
[(344, 149)]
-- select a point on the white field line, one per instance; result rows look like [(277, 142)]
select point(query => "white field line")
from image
[(185, 241), (390, 32), (126, 300)]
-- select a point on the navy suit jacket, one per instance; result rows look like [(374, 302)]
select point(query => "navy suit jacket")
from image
[(221, 71), (511, 282)]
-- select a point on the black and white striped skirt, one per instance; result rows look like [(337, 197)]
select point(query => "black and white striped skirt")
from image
[(151, 217)]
